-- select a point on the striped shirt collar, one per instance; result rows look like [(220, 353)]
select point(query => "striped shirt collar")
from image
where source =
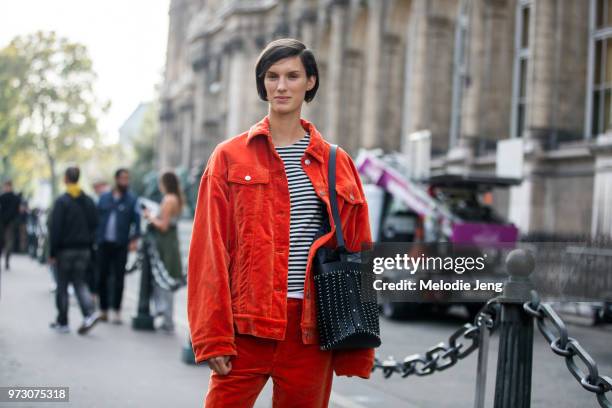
[(317, 148)]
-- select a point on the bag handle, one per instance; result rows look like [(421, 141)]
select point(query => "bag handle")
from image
[(333, 198)]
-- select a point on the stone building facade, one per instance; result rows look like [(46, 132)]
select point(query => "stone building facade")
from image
[(473, 72)]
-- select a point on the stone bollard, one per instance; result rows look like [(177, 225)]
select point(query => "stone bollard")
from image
[(514, 362)]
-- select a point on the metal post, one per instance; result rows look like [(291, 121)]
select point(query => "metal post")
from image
[(143, 320), (514, 362), (481, 373)]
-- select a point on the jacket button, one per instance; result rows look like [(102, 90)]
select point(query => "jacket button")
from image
[(352, 197), (322, 192), (247, 178), (307, 161)]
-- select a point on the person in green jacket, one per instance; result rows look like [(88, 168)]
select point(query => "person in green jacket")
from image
[(166, 257)]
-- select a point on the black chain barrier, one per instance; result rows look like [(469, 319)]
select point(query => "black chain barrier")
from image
[(553, 329), (445, 355), (517, 292)]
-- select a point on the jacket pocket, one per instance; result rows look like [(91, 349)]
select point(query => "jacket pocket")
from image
[(248, 184), (248, 175), (350, 205), (348, 194)]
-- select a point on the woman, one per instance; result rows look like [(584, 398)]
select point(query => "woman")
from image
[(263, 196), (163, 228)]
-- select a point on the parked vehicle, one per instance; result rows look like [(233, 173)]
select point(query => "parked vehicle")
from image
[(443, 211)]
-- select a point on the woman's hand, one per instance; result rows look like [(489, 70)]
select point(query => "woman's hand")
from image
[(146, 214), (220, 365)]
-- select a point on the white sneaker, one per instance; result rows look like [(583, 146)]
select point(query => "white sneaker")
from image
[(89, 322)]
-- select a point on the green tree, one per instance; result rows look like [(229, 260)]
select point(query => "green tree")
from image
[(143, 176), (13, 68), (57, 97)]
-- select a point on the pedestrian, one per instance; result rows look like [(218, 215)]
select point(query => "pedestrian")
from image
[(261, 203), (118, 233), (10, 204), (165, 241), (73, 228)]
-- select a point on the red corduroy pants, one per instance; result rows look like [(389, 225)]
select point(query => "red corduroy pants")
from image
[(302, 374)]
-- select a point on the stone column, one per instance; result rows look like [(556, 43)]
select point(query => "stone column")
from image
[(166, 117), (339, 17), (236, 90), (428, 73), (186, 141), (542, 69), (389, 118), (351, 127), (307, 21), (486, 103), (199, 106), (308, 34), (558, 45), (174, 146), (371, 98)]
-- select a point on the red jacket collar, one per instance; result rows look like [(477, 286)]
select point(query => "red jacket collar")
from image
[(316, 148)]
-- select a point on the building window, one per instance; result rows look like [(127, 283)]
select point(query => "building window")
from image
[(603, 14), (521, 65), (599, 104)]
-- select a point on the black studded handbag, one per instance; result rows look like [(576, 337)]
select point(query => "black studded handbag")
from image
[(347, 313)]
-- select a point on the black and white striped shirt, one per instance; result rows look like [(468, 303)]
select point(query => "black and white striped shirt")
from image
[(306, 214)]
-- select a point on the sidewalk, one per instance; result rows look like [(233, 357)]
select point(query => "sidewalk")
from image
[(112, 366), (115, 366)]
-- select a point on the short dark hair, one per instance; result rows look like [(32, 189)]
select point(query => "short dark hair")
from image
[(285, 48), (72, 174), (121, 170)]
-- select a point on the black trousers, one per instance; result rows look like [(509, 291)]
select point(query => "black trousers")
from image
[(91, 276), (111, 263), (8, 235), (71, 267)]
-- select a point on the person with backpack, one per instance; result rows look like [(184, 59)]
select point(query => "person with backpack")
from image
[(74, 220)]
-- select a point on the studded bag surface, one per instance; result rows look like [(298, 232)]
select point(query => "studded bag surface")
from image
[(347, 314)]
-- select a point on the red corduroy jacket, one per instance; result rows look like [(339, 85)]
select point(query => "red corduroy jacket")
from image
[(238, 259)]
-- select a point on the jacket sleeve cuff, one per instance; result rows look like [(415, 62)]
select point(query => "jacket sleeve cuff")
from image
[(207, 349), (354, 362)]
